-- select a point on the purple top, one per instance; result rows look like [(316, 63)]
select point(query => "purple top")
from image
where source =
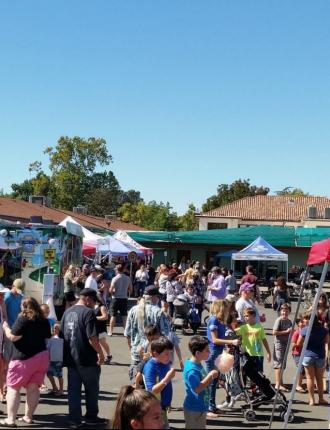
[(219, 291)]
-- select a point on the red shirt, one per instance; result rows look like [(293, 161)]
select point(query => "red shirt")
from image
[(296, 350)]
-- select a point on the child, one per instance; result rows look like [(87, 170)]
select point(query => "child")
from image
[(196, 403), (46, 311), (102, 316), (296, 352), (157, 373), (55, 347), (253, 341), (232, 378), (152, 333), (281, 331), (137, 409)]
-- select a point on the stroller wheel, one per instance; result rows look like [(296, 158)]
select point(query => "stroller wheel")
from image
[(282, 408), (249, 415), (283, 416)]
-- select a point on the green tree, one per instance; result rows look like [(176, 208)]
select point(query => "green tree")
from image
[(152, 215), (22, 191), (188, 221), (290, 191), (72, 163), (230, 193)]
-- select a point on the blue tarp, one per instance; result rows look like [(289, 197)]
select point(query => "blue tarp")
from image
[(260, 249)]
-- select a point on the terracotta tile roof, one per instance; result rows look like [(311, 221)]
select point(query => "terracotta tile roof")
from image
[(271, 208), (20, 210)]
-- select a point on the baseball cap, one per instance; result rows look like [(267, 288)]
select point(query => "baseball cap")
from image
[(152, 290), (88, 292), (245, 287)]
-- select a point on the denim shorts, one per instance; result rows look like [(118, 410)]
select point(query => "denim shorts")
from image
[(55, 369), (313, 361)]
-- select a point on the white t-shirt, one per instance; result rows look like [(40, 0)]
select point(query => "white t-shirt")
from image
[(243, 304), (91, 283)]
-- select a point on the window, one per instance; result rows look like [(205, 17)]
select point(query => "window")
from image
[(217, 225)]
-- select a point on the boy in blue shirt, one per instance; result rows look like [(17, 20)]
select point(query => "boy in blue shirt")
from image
[(196, 402), (157, 373)]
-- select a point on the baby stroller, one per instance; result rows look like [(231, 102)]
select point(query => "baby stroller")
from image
[(266, 394), (185, 316)]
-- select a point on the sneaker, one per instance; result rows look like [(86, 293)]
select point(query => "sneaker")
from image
[(231, 404), (96, 421), (223, 405), (108, 359)]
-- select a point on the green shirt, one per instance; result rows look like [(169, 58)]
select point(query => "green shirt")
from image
[(252, 337)]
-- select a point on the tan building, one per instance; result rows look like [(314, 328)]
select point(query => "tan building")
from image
[(285, 211)]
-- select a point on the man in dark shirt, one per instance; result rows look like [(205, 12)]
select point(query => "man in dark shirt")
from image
[(83, 356)]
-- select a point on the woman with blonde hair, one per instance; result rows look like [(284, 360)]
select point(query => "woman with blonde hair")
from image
[(216, 330), (29, 362)]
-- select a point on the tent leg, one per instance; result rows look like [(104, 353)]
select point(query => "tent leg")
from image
[(309, 330)]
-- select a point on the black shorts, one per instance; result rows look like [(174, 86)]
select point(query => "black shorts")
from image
[(118, 305)]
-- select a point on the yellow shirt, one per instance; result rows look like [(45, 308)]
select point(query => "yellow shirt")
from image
[(252, 337)]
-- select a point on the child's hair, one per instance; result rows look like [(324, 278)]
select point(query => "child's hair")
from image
[(44, 307), (197, 344), (151, 331), (299, 319), (307, 316), (219, 308), (160, 345), (131, 404), (286, 306), (250, 311)]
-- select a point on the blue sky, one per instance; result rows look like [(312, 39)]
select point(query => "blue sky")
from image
[(188, 94)]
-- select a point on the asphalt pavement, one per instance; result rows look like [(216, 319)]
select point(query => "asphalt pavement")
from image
[(52, 411)]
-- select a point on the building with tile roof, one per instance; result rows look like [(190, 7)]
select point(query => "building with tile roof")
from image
[(16, 210), (289, 211)]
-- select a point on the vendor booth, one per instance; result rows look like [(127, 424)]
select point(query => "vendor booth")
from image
[(267, 261)]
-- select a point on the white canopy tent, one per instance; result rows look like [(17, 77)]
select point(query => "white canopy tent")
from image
[(261, 250)]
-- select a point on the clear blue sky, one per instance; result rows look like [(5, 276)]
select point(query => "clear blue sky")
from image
[(188, 94)]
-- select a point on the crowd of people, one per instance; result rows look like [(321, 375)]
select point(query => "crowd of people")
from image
[(36, 346)]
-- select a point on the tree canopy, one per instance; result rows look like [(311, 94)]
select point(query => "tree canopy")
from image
[(228, 193)]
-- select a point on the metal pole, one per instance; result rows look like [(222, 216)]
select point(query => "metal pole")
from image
[(309, 330), (289, 342)]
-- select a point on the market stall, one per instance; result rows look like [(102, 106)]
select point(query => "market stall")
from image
[(267, 260)]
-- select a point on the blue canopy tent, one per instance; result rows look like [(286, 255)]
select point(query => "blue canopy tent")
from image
[(261, 250)]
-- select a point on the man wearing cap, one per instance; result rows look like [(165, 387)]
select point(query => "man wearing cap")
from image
[(245, 301), (146, 312), (83, 356)]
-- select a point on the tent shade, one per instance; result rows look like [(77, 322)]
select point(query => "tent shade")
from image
[(319, 253), (226, 254), (260, 250), (72, 226), (125, 238)]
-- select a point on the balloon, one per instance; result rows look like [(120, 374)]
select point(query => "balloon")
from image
[(224, 362)]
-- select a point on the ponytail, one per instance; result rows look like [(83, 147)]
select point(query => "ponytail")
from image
[(131, 404)]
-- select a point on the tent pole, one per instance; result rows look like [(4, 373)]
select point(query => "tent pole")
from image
[(289, 340), (309, 330)]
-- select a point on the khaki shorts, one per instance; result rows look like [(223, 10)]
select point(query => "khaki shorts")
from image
[(195, 420)]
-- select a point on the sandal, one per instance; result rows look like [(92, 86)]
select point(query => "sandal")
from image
[(25, 420), (301, 390), (323, 403), (4, 423)]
